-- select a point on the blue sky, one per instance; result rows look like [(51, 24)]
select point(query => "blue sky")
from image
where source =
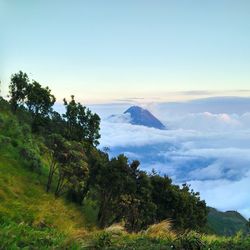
[(103, 51)]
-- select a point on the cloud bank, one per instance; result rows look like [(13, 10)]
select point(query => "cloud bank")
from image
[(211, 151)]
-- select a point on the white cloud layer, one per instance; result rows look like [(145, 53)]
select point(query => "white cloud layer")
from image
[(209, 151)]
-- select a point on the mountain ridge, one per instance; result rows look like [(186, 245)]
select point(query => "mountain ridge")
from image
[(143, 117), (226, 223)]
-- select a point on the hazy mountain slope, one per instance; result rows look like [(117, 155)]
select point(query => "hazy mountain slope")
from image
[(226, 223), (140, 116)]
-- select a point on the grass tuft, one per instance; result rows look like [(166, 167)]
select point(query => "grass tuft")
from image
[(161, 230)]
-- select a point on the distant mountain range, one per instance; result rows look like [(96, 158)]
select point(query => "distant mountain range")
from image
[(140, 116)]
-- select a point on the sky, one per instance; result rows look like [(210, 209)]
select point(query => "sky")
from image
[(187, 61), (111, 51)]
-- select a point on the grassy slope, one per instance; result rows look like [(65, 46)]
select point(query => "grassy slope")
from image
[(27, 212), (226, 223), (23, 201)]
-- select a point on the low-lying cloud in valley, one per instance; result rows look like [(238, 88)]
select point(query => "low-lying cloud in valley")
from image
[(211, 151)]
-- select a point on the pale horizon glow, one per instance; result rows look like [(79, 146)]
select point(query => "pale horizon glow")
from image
[(107, 51)]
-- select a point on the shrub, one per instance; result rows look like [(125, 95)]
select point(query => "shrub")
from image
[(189, 240), (103, 240), (4, 140), (32, 158)]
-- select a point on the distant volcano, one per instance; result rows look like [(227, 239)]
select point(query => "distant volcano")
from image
[(140, 116)]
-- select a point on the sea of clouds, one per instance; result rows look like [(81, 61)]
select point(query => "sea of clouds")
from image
[(205, 146)]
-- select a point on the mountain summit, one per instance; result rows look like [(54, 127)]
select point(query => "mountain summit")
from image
[(140, 116)]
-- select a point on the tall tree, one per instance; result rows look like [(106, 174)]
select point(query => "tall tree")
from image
[(136, 207), (124, 193), (18, 89), (56, 145), (39, 103), (72, 168), (180, 204), (82, 124), (71, 116), (39, 99)]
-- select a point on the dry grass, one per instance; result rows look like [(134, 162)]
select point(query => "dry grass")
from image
[(161, 230), (116, 229)]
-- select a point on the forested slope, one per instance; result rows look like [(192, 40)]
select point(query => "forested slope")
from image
[(58, 190)]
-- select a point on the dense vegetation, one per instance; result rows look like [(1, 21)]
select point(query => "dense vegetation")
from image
[(227, 223), (55, 181)]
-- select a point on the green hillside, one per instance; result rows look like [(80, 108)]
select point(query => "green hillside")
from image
[(59, 191), (29, 215), (226, 223), (30, 218)]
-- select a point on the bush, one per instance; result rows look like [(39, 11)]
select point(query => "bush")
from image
[(4, 140), (30, 156), (189, 240), (103, 240)]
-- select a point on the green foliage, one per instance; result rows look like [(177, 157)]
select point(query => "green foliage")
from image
[(28, 216), (32, 159), (189, 240), (39, 103), (123, 191), (12, 133), (180, 204), (55, 150), (82, 125), (20, 236), (33, 96), (103, 240), (18, 89), (39, 99), (72, 168), (226, 223), (113, 190), (186, 241), (134, 241)]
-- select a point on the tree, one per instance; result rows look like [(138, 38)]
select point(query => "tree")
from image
[(56, 124), (72, 168), (136, 207), (18, 89), (71, 116), (89, 124), (67, 160), (182, 205), (39, 103), (39, 99), (111, 182), (82, 124), (56, 145), (124, 193)]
